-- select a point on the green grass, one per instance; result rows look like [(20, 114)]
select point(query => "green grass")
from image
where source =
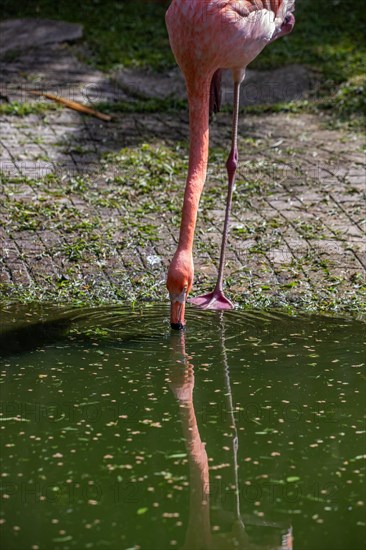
[(24, 108), (128, 33), (329, 38), (136, 174), (145, 183), (72, 289)]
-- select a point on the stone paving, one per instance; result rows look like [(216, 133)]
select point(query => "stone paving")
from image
[(74, 225)]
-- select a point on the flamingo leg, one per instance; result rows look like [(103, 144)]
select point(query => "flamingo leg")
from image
[(217, 299)]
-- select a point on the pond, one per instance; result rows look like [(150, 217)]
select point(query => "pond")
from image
[(244, 431)]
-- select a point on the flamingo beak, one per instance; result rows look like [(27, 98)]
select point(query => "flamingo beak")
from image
[(177, 308)]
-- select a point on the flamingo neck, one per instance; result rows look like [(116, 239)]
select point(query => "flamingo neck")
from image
[(198, 100)]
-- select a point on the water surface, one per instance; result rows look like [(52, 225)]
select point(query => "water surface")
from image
[(246, 431)]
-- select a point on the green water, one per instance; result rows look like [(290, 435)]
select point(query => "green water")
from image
[(119, 434)]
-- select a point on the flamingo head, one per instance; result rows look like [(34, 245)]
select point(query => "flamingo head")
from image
[(179, 284)]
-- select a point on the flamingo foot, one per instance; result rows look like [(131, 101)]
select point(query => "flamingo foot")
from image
[(213, 300)]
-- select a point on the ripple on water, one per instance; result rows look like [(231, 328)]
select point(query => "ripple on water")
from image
[(150, 323), (146, 327)]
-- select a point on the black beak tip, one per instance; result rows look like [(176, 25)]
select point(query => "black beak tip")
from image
[(177, 326)]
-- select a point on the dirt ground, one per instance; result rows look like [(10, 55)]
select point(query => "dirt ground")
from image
[(84, 219)]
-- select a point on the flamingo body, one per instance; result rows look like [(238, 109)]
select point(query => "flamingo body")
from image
[(206, 36)]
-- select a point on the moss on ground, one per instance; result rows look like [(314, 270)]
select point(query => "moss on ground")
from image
[(24, 108), (129, 204), (74, 291)]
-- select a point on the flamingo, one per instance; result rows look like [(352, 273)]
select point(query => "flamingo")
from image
[(207, 36)]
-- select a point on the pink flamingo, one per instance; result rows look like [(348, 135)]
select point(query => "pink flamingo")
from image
[(206, 36)]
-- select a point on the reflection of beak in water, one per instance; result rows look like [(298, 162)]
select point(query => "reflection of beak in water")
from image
[(198, 535)]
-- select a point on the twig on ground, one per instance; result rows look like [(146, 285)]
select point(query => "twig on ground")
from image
[(73, 105)]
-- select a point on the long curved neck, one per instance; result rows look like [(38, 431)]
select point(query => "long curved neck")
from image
[(198, 100)]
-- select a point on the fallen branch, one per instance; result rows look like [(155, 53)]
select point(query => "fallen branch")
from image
[(74, 105)]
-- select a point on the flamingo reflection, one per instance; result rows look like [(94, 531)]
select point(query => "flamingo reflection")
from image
[(199, 535)]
